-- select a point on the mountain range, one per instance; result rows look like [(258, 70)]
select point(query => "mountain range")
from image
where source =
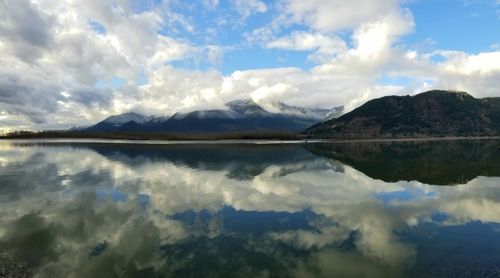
[(240, 115), (436, 113), (429, 114)]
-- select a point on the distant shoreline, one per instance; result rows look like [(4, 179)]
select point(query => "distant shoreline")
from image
[(241, 141)]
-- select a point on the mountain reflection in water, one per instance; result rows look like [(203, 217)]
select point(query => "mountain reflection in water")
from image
[(304, 210)]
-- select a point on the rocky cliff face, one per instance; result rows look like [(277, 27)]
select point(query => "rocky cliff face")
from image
[(433, 113)]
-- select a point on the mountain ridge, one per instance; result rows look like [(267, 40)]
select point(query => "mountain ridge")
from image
[(431, 113), (240, 115)]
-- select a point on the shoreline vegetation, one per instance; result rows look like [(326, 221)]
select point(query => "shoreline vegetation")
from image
[(236, 136), (250, 135)]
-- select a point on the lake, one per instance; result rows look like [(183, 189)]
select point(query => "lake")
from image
[(386, 209)]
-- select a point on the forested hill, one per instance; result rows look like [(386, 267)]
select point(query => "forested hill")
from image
[(433, 113)]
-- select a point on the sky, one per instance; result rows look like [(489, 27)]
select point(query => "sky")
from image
[(67, 63)]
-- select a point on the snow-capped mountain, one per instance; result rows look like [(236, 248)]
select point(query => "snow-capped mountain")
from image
[(157, 119), (312, 113), (207, 114), (246, 107), (240, 115), (125, 118)]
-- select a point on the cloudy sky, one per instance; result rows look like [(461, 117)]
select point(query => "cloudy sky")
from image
[(67, 63)]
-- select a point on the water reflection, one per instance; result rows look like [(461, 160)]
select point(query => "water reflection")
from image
[(437, 163), (92, 210)]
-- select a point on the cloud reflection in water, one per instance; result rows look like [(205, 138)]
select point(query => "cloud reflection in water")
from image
[(131, 210)]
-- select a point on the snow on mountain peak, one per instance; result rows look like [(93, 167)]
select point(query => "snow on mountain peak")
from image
[(125, 118), (246, 107)]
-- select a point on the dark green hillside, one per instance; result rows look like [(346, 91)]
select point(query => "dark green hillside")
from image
[(433, 113)]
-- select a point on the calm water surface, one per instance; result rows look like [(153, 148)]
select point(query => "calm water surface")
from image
[(428, 209)]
